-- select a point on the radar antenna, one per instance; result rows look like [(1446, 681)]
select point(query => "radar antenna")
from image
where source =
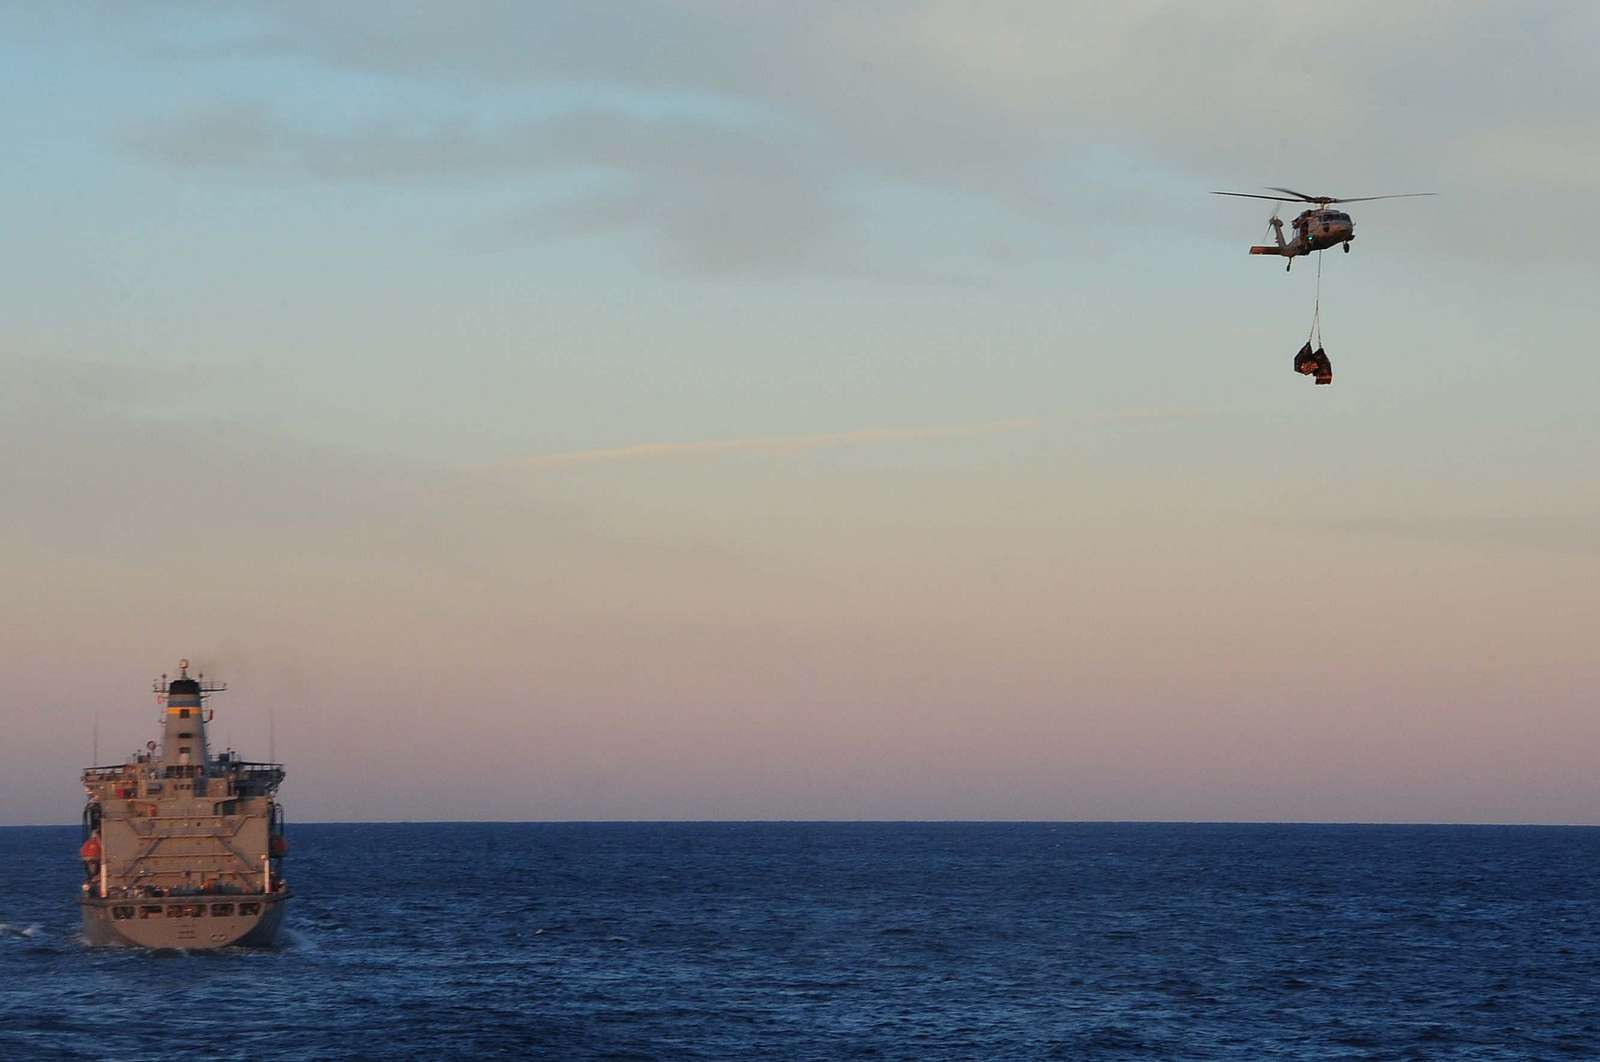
[(160, 686)]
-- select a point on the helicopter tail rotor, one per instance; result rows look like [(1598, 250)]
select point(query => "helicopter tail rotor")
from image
[(1275, 223), (1275, 230)]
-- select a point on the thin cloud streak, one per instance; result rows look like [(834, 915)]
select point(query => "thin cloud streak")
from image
[(778, 444)]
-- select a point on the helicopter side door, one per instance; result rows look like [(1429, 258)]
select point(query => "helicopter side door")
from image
[(1305, 234)]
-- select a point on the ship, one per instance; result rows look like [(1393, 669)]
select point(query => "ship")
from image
[(183, 849)]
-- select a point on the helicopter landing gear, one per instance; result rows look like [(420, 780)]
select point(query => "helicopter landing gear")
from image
[(1347, 247)]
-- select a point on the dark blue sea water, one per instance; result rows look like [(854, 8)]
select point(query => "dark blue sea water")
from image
[(828, 940)]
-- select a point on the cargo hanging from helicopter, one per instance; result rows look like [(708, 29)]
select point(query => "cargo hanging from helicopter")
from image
[(1317, 229), (1309, 362)]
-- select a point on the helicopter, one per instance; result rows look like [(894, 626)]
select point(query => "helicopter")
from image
[(1317, 229)]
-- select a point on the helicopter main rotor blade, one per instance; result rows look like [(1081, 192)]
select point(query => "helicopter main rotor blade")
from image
[(1321, 200), (1302, 195), (1247, 195), (1370, 198)]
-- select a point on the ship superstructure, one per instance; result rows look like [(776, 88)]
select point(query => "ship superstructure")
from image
[(183, 849)]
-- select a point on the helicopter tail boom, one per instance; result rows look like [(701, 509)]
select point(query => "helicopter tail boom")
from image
[(1274, 223)]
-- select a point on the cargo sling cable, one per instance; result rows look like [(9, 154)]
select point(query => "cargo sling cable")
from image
[(1309, 361)]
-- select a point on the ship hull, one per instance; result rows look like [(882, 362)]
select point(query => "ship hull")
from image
[(191, 923)]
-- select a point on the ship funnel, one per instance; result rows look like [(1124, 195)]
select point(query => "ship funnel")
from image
[(184, 751)]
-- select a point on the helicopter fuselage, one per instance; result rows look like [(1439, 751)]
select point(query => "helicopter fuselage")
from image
[(1314, 230), (1317, 230)]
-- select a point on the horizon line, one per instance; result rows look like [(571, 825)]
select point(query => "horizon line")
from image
[(1496, 824)]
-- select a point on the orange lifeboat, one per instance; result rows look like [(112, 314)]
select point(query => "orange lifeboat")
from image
[(279, 847), (91, 849)]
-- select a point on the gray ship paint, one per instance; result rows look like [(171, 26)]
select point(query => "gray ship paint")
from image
[(183, 849)]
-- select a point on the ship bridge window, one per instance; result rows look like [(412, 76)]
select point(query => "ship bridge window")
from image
[(122, 914), (249, 908), (220, 910), (150, 911)]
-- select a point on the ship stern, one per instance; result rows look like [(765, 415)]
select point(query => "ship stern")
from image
[(189, 923)]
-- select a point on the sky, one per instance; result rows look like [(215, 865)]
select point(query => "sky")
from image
[(752, 410)]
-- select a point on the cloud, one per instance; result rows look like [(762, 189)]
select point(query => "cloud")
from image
[(916, 80), (110, 465), (1026, 107), (711, 193), (778, 444)]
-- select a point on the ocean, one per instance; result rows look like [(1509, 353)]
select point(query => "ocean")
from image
[(845, 940)]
